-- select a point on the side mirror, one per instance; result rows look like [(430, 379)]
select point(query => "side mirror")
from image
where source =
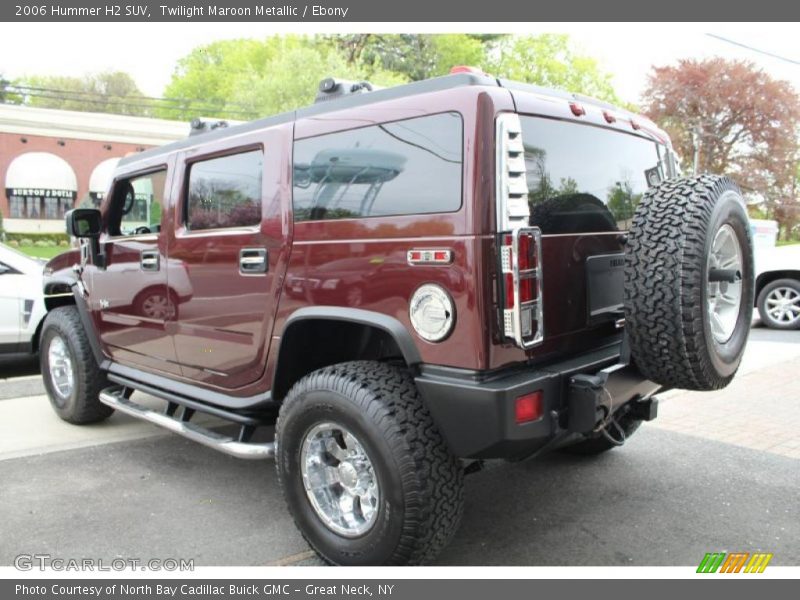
[(84, 222)]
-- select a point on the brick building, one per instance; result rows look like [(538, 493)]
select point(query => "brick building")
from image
[(53, 160)]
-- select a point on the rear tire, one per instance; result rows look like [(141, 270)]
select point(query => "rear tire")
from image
[(415, 505), (779, 304), (71, 375), (686, 329)]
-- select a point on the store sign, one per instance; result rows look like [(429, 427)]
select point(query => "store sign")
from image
[(41, 193)]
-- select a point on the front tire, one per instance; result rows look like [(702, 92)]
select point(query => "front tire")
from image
[(366, 474), (71, 375)]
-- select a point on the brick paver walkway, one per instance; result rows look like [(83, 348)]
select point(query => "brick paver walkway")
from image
[(758, 410)]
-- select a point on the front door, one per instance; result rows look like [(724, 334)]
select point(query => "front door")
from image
[(231, 237), (130, 299)]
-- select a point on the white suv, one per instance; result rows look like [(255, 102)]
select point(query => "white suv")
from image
[(778, 286), (21, 302)]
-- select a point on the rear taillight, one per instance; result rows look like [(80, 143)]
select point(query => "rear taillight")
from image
[(521, 283), (520, 245)]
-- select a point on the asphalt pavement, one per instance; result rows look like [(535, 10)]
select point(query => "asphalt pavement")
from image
[(678, 489)]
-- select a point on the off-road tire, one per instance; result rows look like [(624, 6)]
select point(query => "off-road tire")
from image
[(597, 443), (762, 303), (83, 405), (666, 256), (421, 482)]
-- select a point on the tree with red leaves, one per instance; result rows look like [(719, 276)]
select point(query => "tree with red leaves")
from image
[(730, 117)]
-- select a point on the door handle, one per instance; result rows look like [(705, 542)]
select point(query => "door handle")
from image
[(253, 261), (149, 260)]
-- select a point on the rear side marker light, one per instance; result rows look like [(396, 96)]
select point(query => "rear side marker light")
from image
[(432, 256), (528, 408)]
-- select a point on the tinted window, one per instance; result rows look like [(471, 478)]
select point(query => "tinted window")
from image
[(136, 204), (583, 178), (225, 192), (404, 167)]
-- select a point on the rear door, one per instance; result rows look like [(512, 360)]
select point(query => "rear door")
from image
[(584, 183), (129, 299), (230, 240)]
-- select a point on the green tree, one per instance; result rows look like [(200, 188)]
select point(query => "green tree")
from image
[(106, 92), (416, 56), (243, 79), (549, 60)]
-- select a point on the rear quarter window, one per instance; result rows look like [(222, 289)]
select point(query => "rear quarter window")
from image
[(583, 178), (404, 167)]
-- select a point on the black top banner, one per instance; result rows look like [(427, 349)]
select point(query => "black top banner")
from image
[(453, 11)]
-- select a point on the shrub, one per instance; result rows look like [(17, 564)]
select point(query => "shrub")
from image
[(26, 242), (13, 243)]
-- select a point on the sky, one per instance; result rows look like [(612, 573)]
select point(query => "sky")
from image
[(149, 51)]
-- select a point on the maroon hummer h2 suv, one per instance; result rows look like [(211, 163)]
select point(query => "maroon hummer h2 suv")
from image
[(402, 283)]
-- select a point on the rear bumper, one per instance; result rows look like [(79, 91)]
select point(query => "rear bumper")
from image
[(475, 411)]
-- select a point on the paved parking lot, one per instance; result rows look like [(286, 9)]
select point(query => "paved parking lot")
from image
[(715, 472)]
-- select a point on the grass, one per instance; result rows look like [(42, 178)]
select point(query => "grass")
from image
[(42, 252), (787, 242)]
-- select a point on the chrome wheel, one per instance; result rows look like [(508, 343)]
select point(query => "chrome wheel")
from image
[(724, 297), (59, 361), (783, 305), (157, 306), (339, 479)]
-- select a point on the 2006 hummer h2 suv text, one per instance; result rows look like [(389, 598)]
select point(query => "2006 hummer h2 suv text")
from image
[(402, 282)]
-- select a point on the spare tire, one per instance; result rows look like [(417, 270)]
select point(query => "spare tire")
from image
[(689, 283)]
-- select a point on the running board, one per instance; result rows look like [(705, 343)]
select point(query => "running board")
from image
[(115, 398)]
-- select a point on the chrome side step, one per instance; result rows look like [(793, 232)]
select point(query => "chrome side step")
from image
[(115, 398)]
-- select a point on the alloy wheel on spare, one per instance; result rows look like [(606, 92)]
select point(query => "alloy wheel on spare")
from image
[(339, 479), (724, 296), (62, 374)]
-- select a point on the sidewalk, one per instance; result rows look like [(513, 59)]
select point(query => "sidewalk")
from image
[(758, 410)]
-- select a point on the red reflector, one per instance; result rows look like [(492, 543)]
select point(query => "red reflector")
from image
[(528, 408), (577, 109), (609, 117), (441, 255), (509, 280)]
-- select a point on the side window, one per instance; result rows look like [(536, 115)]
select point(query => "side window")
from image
[(225, 192), (404, 167), (136, 205)]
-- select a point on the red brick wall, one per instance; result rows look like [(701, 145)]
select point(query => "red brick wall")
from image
[(82, 155)]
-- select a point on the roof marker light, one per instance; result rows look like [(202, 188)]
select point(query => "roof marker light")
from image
[(577, 109), (467, 69), (609, 117)]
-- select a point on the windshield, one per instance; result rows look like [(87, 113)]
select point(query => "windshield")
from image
[(584, 178)]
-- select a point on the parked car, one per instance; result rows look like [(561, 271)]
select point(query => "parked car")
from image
[(778, 286), (404, 282), (22, 308)]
